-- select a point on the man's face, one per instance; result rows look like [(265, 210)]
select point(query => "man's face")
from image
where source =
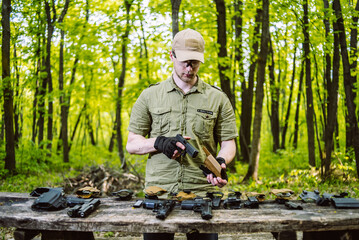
[(186, 70)]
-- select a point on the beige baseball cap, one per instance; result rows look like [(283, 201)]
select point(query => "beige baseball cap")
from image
[(188, 45)]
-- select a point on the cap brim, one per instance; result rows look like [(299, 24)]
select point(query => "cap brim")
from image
[(189, 55)]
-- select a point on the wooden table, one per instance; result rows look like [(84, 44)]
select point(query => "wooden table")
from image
[(316, 222)]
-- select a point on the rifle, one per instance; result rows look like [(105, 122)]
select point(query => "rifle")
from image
[(192, 151), (161, 207), (204, 206), (84, 209)]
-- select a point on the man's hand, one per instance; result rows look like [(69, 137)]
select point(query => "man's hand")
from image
[(218, 181), (169, 146)]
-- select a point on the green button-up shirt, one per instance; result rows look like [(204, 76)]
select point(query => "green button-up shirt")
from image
[(204, 113)]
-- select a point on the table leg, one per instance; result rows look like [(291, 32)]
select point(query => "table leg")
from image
[(25, 234), (66, 235), (331, 235), (286, 235)]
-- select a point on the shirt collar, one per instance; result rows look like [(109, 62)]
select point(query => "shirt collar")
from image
[(171, 85)]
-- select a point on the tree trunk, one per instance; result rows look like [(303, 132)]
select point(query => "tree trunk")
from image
[(309, 92), (10, 163), (17, 105), (121, 83), (144, 59), (35, 109), (223, 61), (90, 130), (274, 92), (247, 94), (238, 22), (175, 10), (113, 137), (63, 96), (296, 118), (257, 122), (349, 87), (353, 66), (286, 119), (332, 102), (41, 103), (76, 126), (64, 105), (50, 30), (328, 86)]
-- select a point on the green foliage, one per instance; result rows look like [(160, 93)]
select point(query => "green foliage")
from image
[(96, 42), (34, 169), (277, 171)]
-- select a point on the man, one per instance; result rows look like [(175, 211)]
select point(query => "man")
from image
[(183, 104)]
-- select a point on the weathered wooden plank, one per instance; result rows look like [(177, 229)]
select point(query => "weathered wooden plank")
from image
[(112, 215)]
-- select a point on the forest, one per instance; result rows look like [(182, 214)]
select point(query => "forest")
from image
[(72, 69)]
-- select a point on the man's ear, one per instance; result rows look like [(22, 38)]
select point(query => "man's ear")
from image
[(171, 55)]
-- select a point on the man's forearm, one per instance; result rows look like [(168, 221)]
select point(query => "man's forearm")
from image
[(227, 151), (137, 144)]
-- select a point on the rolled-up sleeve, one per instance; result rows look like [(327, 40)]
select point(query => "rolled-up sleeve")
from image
[(140, 120), (226, 128)]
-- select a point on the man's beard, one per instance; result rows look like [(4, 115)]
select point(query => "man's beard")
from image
[(187, 78)]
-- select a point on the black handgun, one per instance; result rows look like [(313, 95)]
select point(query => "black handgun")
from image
[(73, 201), (85, 209), (161, 207), (165, 208), (233, 201), (204, 206), (192, 151), (326, 198), (252, 202), (216, 198)]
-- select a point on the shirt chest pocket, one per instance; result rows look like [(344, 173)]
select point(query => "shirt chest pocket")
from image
[(204, 124), (160, 120)]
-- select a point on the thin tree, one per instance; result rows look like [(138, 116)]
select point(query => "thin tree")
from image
[(309, 92), (286, 119), (332, 102), (257, 121), (296, 117), (274, 93), (10, 163), (121, 83), (51, 20), (223, 66), (349, 87), (353, 66), (175, 10), (238, 53), (247, 92)]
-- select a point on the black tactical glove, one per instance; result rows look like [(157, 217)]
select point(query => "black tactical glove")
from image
[(166, 145), (206, 171)]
